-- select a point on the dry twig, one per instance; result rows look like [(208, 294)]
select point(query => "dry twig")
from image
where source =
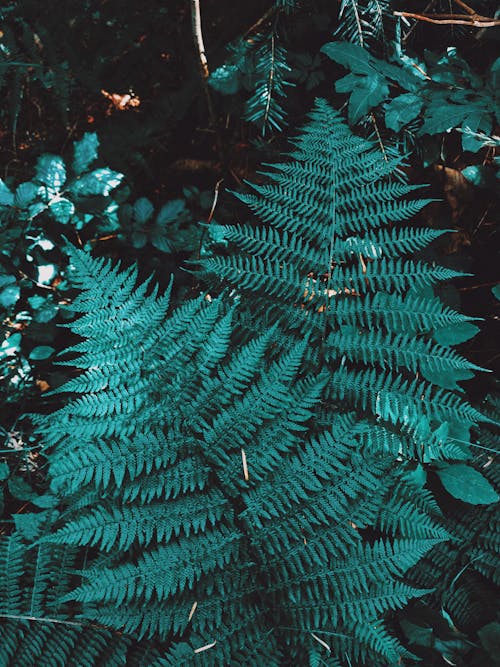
[(470, 18)]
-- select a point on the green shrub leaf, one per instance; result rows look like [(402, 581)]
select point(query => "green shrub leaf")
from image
[(401, 110), (467, 484), (85, 152)]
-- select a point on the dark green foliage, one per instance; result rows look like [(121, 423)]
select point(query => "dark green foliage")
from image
[(220, 493), (259, 65), (221, 506), (329, 260), (61, 198), (282, 470), (362, 22), (418, 97), (74, 198), (37, 629), (464, 571)]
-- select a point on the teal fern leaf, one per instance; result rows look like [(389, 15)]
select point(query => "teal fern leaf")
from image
[(329, 258), (247, 474), (216, 506)]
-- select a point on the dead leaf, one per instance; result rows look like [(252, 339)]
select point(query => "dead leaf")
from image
[(121, 102)]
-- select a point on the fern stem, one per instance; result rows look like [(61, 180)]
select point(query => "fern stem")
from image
[(358, 22), (270, 86), (17, 617)]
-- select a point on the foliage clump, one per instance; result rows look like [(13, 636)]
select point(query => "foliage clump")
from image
[(276, 455)]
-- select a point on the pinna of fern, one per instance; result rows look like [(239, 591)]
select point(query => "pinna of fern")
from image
[(37, 629)]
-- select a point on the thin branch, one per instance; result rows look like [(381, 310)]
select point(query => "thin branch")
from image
[(453, 19), (469, 289), (198, 37), (202, 56), (429, 6), (214, 203), (465, 7), (377, 132), (265, 17)]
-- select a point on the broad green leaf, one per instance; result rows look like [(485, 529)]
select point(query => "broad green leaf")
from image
[(455, 333), (62, 210), (467, 484), (351, 56), (36, 208), (495, 75), (110, 221), (20, 489), (441, 117), (4, 470), (489, 636), (138, 239), (480, 176), (97, 182), (347, 83), (160, 240), (445, 378), (143, 210), (85, 152), (416, 634), (478, 120), (41, 352), (11, 345), (171, 211), (401, 110), (357, 59), (9, 291), (44, 308), (25, 194), (6, 196), (496, 291), (368, 94), (46, 501), (51, 171)]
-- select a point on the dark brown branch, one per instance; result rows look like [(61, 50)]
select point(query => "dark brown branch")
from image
[(475, 21)]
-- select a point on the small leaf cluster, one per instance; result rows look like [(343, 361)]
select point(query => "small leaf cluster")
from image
[(60, 199), (440, 93)]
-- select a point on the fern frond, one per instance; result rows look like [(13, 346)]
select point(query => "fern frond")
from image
[(271, 68), (121, 527)]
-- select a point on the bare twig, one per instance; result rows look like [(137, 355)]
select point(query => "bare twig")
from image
[(265, 17), (198, 37), (469, 289), (214, 203), (476, 21), (465, 7), (429, 6), (377, 132), (202, 56)]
